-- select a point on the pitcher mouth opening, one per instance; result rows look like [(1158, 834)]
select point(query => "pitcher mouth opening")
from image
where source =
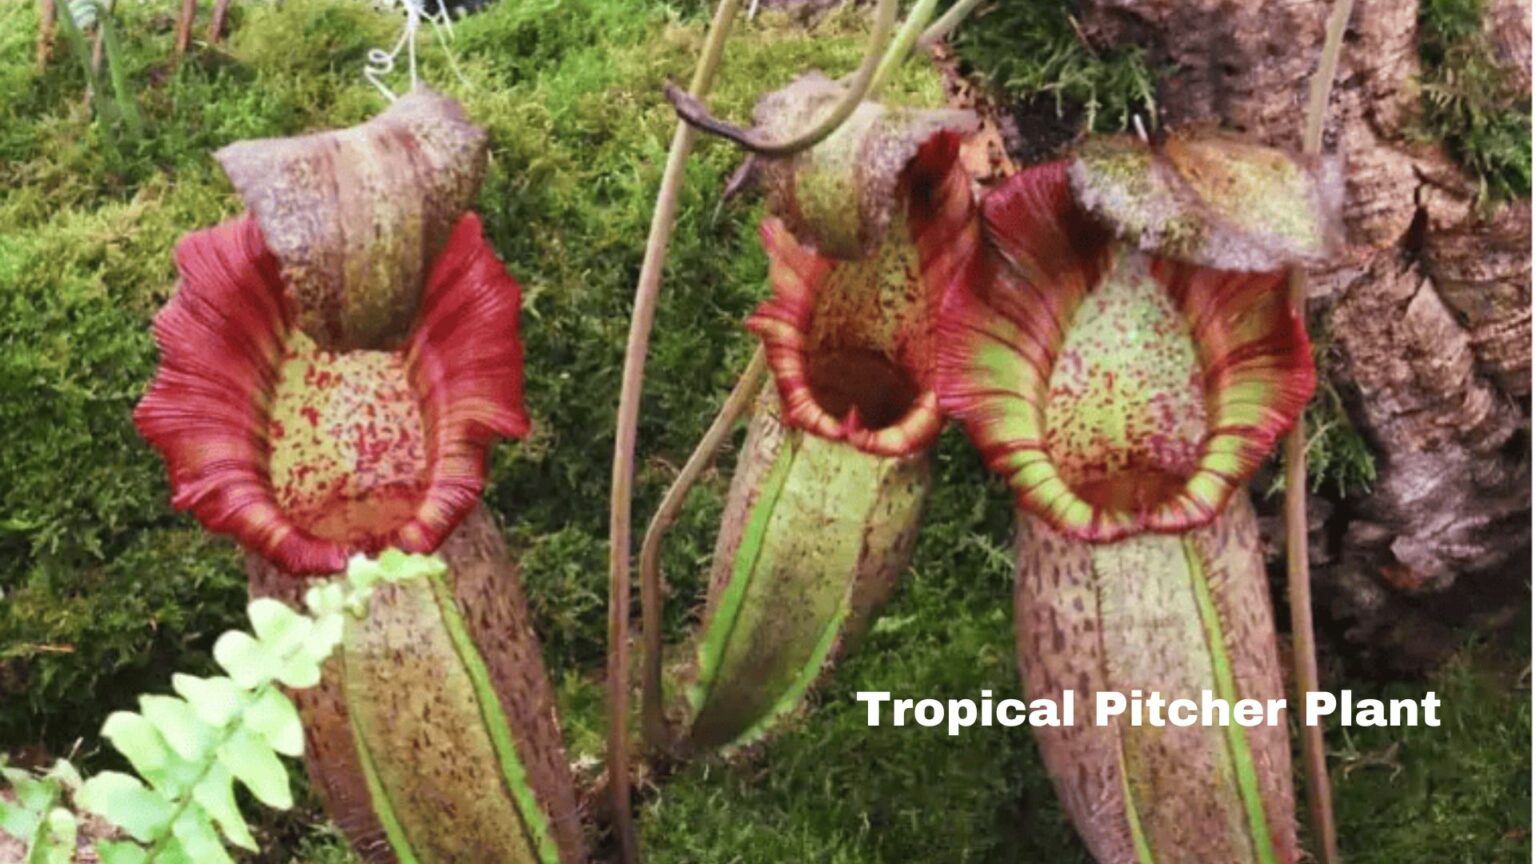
[(306, 456), (1137, 489), (851, 341), (863, 387), (347, 457), (848, 365), (1117, 393)]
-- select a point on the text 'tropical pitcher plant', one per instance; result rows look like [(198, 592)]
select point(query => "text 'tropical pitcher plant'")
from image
[(335, 364), (1125, 354), (825, 503)]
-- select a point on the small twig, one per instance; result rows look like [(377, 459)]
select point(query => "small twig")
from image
[(652, 713), (216, 26), (96, 50), (184, 26), (1082, 36), (620, 499), (46, 12), (27, 649), (696, 114), (1298, 567)]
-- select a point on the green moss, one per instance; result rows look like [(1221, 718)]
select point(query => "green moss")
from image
[(1033, 51), (1459, 792), (1339, 459), (1468, 101)]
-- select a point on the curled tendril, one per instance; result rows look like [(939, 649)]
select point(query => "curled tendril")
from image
[(381, 63), (693, 112)]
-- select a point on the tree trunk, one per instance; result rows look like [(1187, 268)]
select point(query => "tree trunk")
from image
[(1426, 315)]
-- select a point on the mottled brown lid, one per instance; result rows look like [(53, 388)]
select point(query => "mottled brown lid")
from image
[(1213, 200), (840, 195), (357, 215)]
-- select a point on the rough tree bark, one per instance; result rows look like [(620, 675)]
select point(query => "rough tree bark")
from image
[(1427, 313)]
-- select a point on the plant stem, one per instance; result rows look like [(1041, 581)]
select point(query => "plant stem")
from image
[(641, 320), (946, 23), (697, 115), (184, 26), (901, 46), (96, 57), (867, 82), (1298, 568), (653, 718), (47, 11), (127, 106), (216, 25), (77, 43)]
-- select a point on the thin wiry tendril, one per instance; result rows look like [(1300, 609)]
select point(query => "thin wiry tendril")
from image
[(381, 63)]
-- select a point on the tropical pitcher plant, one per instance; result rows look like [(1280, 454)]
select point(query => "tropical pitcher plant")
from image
[(334, 365), (827, 496), (1125, 354)]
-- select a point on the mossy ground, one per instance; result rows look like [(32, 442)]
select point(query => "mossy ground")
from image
[(106, 589), (1468, 101)]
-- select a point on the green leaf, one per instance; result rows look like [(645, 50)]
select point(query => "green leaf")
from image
[(173, 853), (126, 803), (326, 599), (120, 852), (57, 844), (216, 700), (138, 739), (279, 628), (401, 567), (62, 823), (146, 749), (18, 821), (364, 572), (247, 661), (275, 719), (33, 793), (66, 773), (216, 795), (323, 640), (391, 566), (179, 725), (300, 673), (198, 839), (251, 761)]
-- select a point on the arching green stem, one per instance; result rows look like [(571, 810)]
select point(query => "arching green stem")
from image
[(1298, 570), (641, 320), (946, 23), (653, 719), (902, 45), (116, 70), (694, 112)]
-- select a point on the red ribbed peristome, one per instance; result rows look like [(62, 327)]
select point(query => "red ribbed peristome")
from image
[(831, 314), (224, 338), (1004, 322)]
